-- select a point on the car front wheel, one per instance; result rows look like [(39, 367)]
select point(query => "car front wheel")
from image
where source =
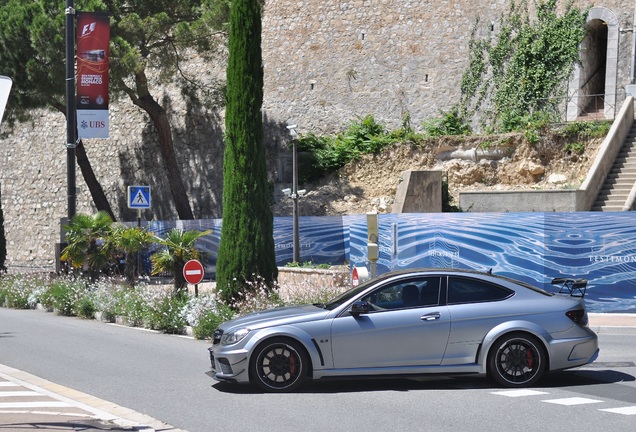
[(279, 365), (516, 360)]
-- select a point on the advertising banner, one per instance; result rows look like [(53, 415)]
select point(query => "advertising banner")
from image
[(5, 88), (93, 38)]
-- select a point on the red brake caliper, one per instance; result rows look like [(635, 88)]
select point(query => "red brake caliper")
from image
[(530, 358)]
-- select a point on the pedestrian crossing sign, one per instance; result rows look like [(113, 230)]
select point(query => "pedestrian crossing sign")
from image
[(139, 197)]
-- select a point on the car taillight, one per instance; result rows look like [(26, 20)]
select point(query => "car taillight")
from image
[(579, 316)]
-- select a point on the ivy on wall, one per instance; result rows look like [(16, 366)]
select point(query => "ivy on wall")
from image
[(522, 71)]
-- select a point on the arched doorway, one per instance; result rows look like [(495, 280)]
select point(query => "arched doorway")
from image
[(592, 89)]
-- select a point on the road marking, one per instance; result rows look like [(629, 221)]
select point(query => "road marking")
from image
[(519, 393), (8, 384), (625, 411), (573, 401), (18, 393), (51, 404)]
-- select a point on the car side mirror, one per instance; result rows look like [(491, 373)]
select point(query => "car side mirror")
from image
[(359, 307)]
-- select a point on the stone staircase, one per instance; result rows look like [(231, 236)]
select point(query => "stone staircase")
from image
[(621, 178)]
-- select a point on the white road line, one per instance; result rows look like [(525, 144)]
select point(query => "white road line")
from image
[(18, 393), (519, 393), (8, 384), (50, 404), (573, 401), (625, 411)]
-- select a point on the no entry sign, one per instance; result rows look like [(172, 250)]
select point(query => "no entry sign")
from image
[(193, 272)]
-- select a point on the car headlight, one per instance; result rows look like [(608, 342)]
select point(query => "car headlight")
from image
[(234, 336)]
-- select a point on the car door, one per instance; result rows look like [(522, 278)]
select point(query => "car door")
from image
[(399, 330)]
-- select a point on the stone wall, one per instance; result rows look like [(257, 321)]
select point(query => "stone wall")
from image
[(326, 62)]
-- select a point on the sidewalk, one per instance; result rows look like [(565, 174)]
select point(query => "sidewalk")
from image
[(28, 402), (598, 320)]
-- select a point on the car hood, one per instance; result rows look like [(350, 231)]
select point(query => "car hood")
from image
[(274, 317)]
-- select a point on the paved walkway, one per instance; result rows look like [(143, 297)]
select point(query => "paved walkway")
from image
[(30, 403)]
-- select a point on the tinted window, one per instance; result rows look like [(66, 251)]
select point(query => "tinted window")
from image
[(465, 290), (405, 294)]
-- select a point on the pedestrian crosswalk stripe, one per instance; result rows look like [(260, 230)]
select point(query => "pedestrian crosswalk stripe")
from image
[(520, 393), (50, 404), (626, 410), (18, 393), (573, 401), (8, 384)]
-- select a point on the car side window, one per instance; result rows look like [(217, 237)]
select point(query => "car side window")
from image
[(466, 290), (405, 294)]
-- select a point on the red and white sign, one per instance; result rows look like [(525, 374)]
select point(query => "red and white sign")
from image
[(193, 272)]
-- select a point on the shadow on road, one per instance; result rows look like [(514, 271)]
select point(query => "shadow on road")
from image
[(574, 378)]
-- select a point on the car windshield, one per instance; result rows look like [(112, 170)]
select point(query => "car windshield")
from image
[(344, 297)]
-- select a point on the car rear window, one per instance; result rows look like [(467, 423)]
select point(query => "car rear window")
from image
[(468, 290)]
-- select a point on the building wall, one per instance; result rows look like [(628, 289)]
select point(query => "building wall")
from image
[(326, 62)]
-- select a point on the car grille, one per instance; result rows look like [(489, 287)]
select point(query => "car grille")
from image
[(217, 336), (225, 366)]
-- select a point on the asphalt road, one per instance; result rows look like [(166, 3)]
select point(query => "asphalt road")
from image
[(165, 377)]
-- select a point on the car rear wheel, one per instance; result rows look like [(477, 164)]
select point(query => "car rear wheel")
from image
[(516, 360), (279, 365)]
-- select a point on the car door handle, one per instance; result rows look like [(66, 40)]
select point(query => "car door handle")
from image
[(431, 317)]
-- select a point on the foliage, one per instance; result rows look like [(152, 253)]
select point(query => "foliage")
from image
[(584, 129), (88, 246), (525, 69), (363, 136), (152, 306), (450, 123), (131, 240), (246, 250), (178, 248), (65, 296), (307, 264)]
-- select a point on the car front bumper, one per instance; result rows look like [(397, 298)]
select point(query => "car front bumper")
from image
[(229, 365)]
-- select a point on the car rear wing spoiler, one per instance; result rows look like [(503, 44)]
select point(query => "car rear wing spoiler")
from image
[(573, 287)]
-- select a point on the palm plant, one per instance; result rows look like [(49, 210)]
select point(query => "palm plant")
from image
[(179, 248), (131, 240), (88, 248)]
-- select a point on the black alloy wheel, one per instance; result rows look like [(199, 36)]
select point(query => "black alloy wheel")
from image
[(279, 365), (516, 360)]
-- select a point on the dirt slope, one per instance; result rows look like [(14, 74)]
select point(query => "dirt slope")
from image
[(497, 162)]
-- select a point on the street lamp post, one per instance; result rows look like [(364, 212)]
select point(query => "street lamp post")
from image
[(294, 193), (70, 107)]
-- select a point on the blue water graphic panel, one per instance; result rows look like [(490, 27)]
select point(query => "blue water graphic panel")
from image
[(533, 247)]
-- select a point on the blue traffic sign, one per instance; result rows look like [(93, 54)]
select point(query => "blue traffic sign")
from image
[(139, 197)]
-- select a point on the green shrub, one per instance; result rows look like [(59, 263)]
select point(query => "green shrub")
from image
[(63, 295), (450, 123), (167, 314), (210, 321)]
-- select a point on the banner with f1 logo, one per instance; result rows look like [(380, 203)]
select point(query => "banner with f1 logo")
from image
[(93, 38)]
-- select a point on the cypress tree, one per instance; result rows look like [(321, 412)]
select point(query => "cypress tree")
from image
[(246, 258)]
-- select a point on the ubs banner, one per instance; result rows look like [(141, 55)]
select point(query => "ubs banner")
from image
[(93, 38)]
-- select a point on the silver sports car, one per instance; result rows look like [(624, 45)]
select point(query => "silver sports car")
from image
[(409, 323)]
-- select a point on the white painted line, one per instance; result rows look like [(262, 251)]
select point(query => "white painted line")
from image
[(625, 411), (519, 393), (19, 393), (50, 404), (8, 384), (573, 401)]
